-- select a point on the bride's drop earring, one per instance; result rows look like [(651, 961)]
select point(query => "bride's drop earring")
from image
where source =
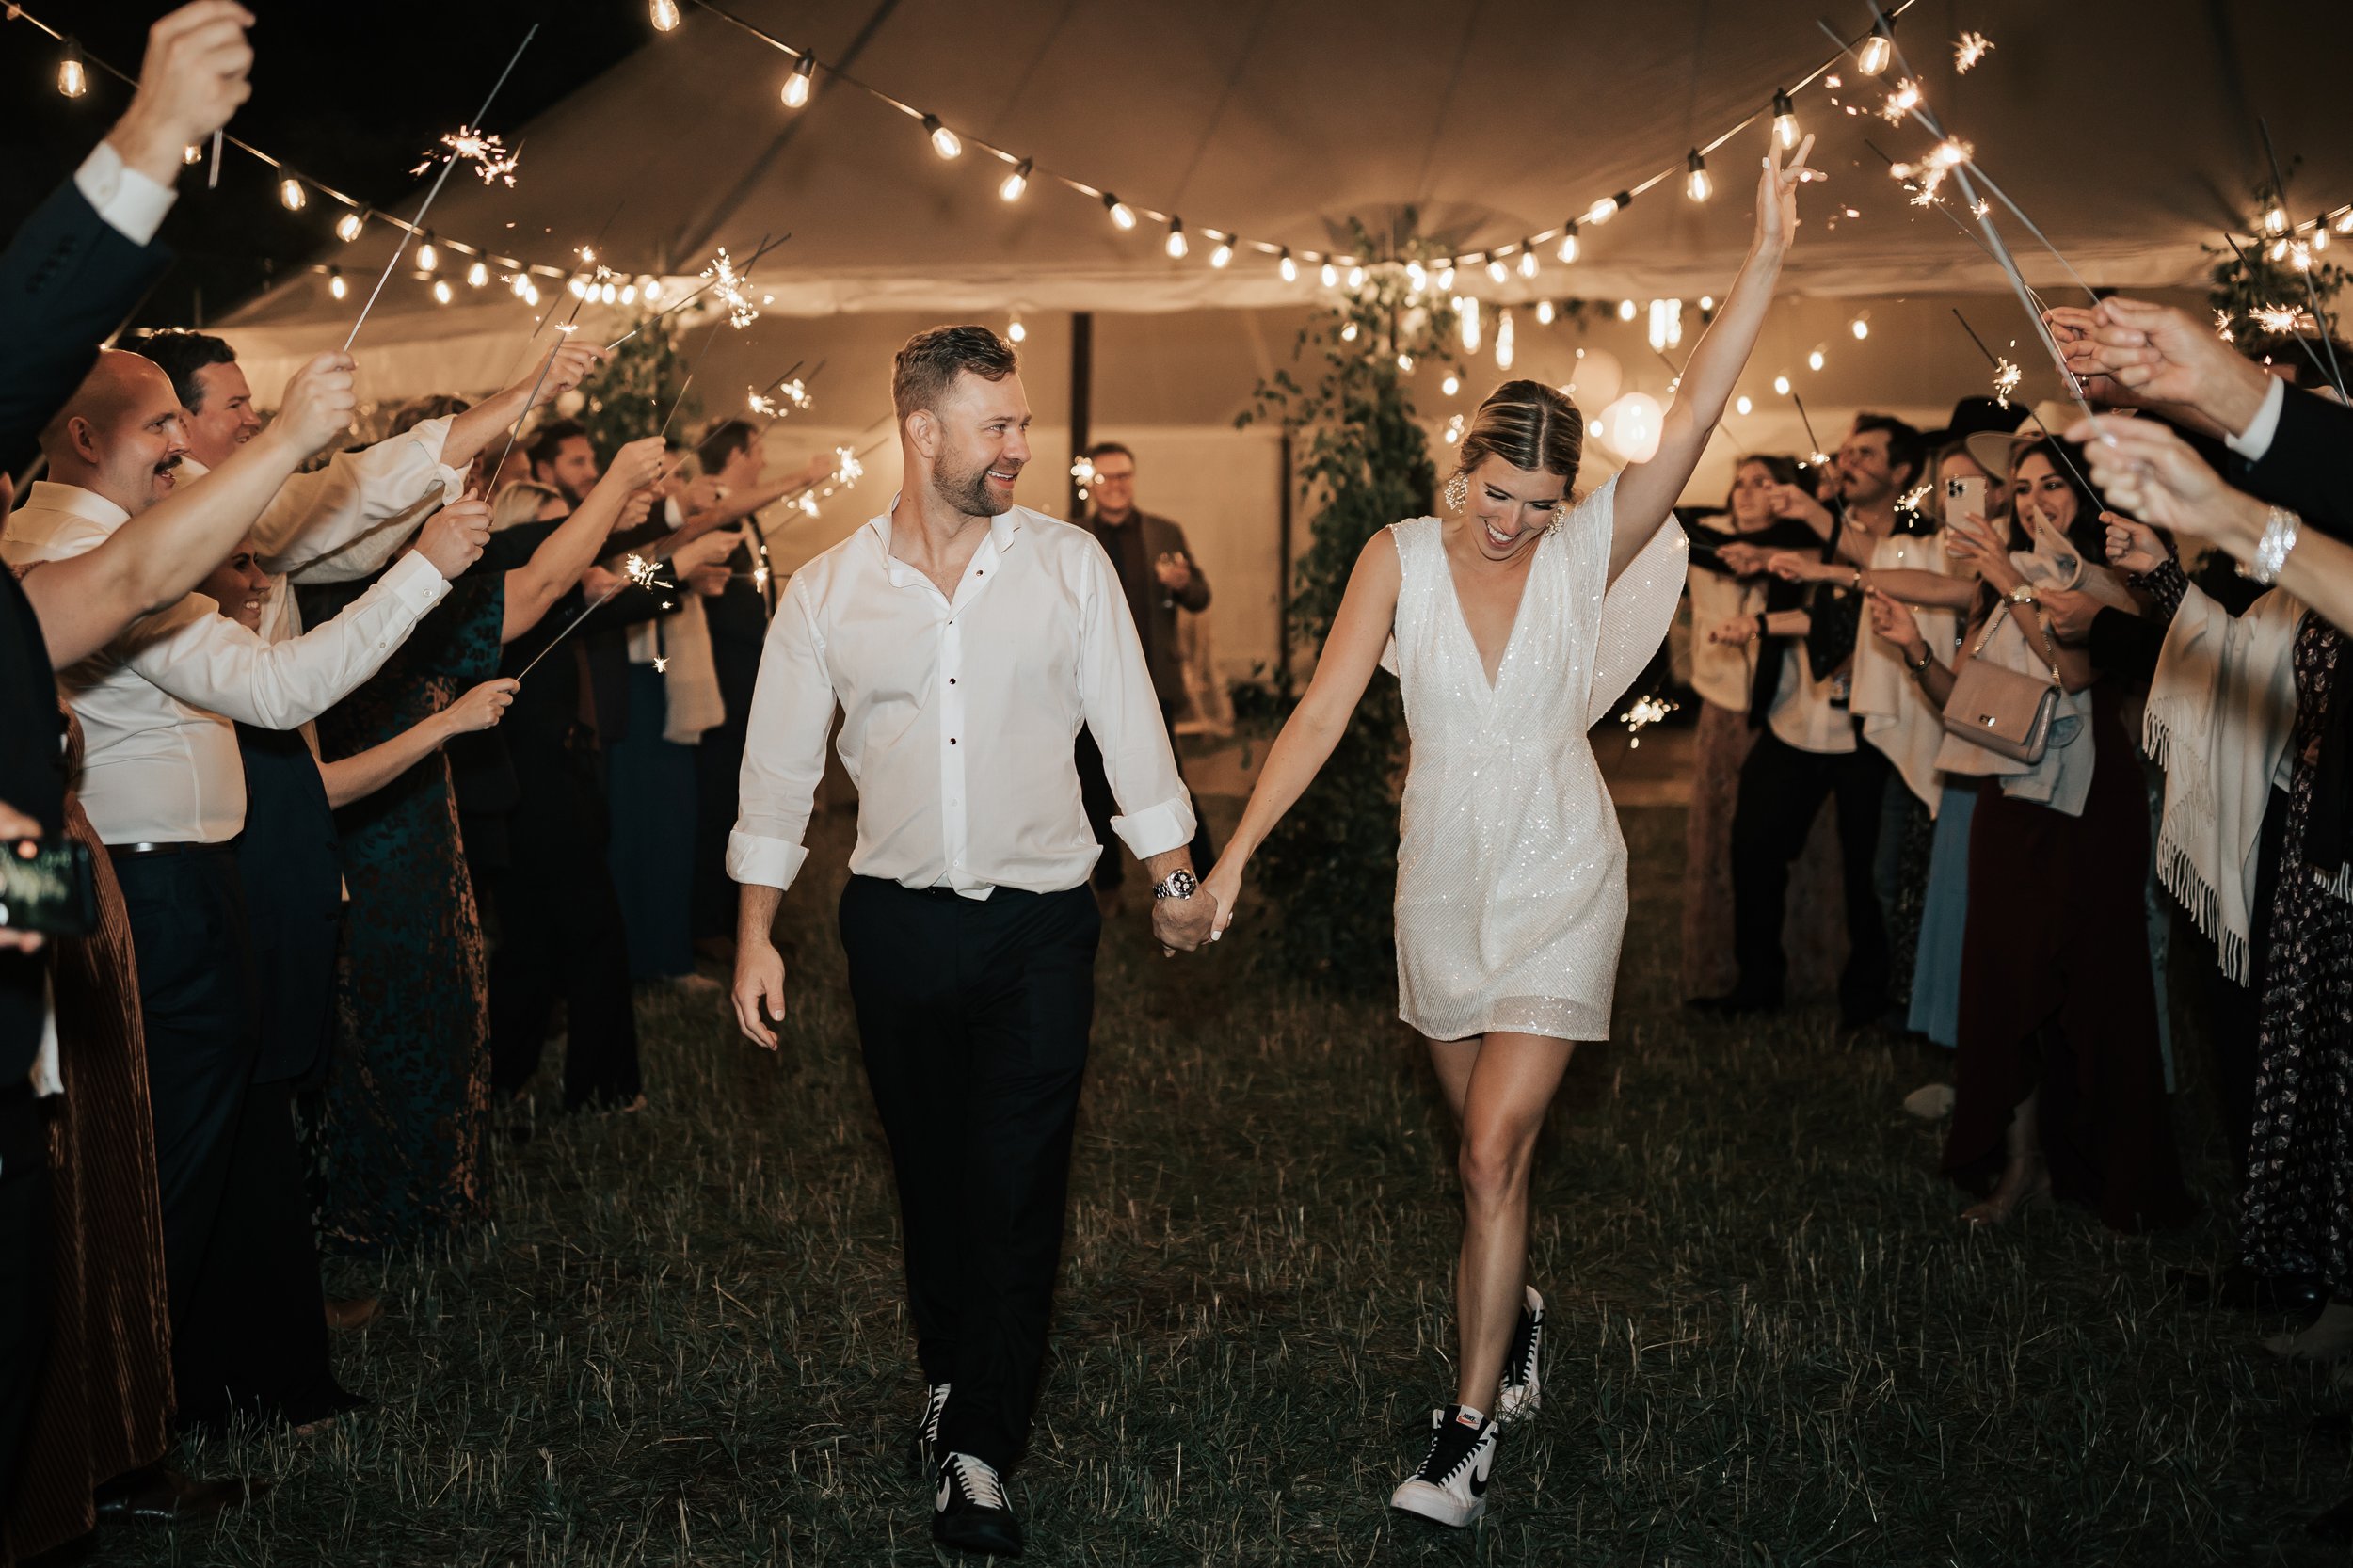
[(1457, 493)]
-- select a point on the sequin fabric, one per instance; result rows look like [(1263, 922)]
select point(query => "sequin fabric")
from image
[(1511, 885)]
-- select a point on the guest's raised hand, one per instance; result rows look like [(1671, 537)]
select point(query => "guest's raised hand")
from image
[(192, 80), (2133, 547), (2152, 473), (566, 365), (481, 708), (1777, 195), (1746, 560), (19, 835), (453, 538), (597, 583), (758, 993), (702, 494), (2157, 354), (318, 403), (1791, 566), (1738, 631), (711, 580), (2071, 613), (1790, 501), (713, 547), (638, 466), (1896, 624)]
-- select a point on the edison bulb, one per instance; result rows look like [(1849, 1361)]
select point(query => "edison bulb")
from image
[(1528, 260), (1017, 332), (1450, 386), (1544, 312), (1741, 405), (1876, 52), (1601, 212), (290, 191), (72, 79), (1625, 309), (944, 141), (1331, 276), (335, 284), (1785, 121), (1016, 183), (1289, 268), (1222, 254), (1355, 278), (348, 226), (1123, 215), (1862, 329), (1568, 244), (428, 255), (1813, 361), (1496, 270), (1781, 385), (664, 15), (441, 290), (795, 94), (477, 275)]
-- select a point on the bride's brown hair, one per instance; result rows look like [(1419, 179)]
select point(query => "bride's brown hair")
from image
[(1529, 425)]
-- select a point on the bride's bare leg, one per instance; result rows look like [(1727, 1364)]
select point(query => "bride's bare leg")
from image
[(1500, 1086)]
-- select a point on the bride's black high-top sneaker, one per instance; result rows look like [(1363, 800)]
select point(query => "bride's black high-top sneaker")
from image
[(1523, 1391), (1450, 1484)]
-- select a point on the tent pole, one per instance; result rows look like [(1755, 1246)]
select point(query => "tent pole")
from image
[(1081, 399)]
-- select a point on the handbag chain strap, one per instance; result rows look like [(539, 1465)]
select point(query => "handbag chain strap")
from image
[(2001, 608)]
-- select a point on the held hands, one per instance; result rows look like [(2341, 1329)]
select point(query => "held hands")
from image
[(192, 80), (454, 537), (596, 583), (1223, 888), (1777, 196), (759, 990), (712, 580), (318, 403), (1184, 923), (2133, 547), (481, 708)]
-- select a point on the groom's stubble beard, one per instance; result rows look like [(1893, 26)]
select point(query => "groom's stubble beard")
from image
[(964, 487)]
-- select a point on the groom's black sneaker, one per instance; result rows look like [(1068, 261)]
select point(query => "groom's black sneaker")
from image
[(1450, 1484), (1523, 1391), (969, 1512), (924, 1445)]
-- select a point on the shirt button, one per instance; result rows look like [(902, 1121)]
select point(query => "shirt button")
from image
[(951, 680), (951, 740)]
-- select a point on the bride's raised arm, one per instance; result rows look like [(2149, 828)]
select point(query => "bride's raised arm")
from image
[(1647, 491)]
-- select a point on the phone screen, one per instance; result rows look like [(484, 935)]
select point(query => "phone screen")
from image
[(1963, 498)]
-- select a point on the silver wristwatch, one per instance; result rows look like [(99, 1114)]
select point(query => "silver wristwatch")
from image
[(1178, 884)]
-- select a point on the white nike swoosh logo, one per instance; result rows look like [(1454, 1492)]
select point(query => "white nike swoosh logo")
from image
[(941, 1506)]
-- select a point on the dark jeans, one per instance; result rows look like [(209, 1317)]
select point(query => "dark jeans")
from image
[(1095, 790), (973, 1017), (560, 934), (1781, 790), (25, 1265)]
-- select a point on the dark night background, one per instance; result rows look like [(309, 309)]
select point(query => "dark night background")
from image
[(352, 95)]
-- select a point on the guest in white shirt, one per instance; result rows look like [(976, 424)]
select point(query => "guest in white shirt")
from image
[(965, 641), (163, 782)]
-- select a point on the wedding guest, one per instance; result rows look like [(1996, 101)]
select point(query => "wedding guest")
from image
[(1728, 582), (401, 1133), (164, 786), (973, 850), (1160, 576)]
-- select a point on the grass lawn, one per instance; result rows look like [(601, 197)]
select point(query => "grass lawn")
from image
[(683, 1340)]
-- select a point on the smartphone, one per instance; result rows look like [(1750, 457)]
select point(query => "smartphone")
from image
[(50, 890), (1963, 499)]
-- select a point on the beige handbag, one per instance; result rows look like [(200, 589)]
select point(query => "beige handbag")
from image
[(2006, 712)]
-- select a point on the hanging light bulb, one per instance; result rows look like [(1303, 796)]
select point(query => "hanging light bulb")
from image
[(1175, 245), (290, 191), (1289, 268), (1405, 363), (1528, 260), (580, 288), (1544, 312), (479, 274), (2275, 220), (1696, 184), (1568, 241), (2344, 221), (1505, 341), (1707, 303), (1496, 270), (1450, 386), (1355, 278), (428, 254), (1467, 309), (1625, 309), (1016, 183), (1666, 324), (2279, 249), (1123, 215), (1330, 276), (653, 288), (1785, 121), (608, 294), (348, 226), (629, 293), (2320, 234), (1741, 405), (944, 141), (1347, 334), (531, 292), (192, 154), (1017, 332), (1813, 361), (1781, 386), (73, 77), (518, 283), (1601, 212), (1876, 50), (441, 290), (1862, 327), (797, 86), (1417, 276), (1446, 278), (335, 284), (1224, 253), (664, 15)]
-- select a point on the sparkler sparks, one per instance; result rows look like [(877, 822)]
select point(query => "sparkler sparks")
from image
[(760, 576), (645, 573), (729, 285), (1900, 103), (660, 664), (848, 470), (808, 505), (2281, 319), (1968, 50), (487, 153), (2006, 378), (1643, 712)]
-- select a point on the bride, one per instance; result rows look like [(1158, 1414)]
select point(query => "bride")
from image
[(1513, 626)]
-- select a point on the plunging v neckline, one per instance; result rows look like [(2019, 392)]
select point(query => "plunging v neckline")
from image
[(1511, 637)]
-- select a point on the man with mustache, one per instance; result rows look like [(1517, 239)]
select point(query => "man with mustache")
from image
[(164, 786), (965, 641)]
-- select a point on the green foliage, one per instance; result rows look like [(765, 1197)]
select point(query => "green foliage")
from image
[(633, 390), (2259, 292), (1363, 463)]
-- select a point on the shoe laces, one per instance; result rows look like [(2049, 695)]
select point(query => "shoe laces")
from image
[(1450, 1432), (977, 1479), (932, 1405)]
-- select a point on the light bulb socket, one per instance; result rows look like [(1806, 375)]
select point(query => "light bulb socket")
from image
[(1783, 104)]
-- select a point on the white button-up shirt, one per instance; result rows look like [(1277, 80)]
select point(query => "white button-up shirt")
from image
[(958, 714), (160, 762)]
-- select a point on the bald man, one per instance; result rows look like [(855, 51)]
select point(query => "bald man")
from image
[(164, 786)]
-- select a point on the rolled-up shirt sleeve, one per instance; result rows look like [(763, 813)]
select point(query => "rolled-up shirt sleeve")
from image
[(203, 658), (784, 748), (342, 523), (126, 201), (1123, 713)]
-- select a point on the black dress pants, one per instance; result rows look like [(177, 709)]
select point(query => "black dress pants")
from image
[(202, 1029), (974, 1017), (1095, 791), (25, 1265), (1782, 790), (560, 933)]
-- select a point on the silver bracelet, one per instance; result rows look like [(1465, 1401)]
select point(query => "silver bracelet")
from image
[(2272, 550)]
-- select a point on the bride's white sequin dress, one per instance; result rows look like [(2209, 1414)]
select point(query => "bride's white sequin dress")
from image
[(1511, 875)]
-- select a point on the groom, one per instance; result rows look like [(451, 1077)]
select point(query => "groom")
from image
[(965, 641)]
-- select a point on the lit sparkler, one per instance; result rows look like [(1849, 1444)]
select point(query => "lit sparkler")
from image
[(487, 153), (1968, 50), (1640, 715), (1901, 101), (2280, 320), (2006, 378), (848, 470), (645, 573), (660, 664), (728, 284)]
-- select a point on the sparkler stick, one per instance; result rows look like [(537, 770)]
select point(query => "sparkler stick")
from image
[(720, 271), (212, 176), (1812, 439), (416, 223), (512, 436), (757, 394), (765, 247), (2320, 322)]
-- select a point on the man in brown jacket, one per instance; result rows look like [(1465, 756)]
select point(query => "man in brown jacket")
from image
[(1160, 576)]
